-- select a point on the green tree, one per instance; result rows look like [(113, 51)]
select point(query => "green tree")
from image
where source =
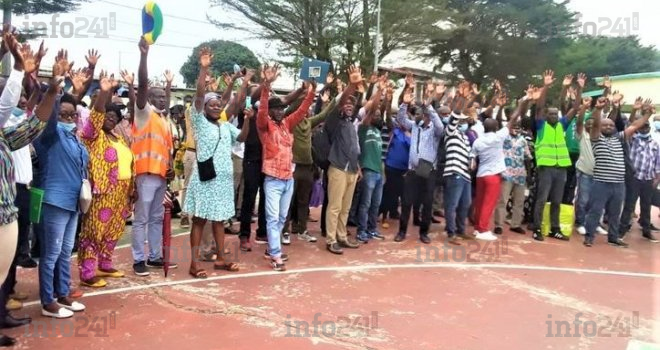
[(497, 39), (225, 55), (341, 32), (600, 55)]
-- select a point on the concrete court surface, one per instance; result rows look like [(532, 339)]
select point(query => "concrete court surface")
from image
[(515, 293)]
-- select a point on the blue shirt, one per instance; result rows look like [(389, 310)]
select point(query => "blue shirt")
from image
[(425, 140), (63, 162), (398, 150)]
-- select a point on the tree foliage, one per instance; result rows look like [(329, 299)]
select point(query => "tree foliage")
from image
[(33, 7), (599, 55), (225, 55), (338, 31), (498, 39)]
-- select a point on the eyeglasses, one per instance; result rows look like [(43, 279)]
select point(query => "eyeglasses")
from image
[(73, 115)]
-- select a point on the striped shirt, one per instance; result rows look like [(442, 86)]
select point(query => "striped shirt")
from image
[(645, 157), (610, 161), (457, 151)]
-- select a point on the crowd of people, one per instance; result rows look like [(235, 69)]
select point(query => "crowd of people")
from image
[(455, 153)]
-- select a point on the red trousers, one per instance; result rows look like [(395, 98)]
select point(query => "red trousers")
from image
[(488, 193)]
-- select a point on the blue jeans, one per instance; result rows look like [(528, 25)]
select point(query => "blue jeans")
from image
[(608, 197), (458, 197), (148, 220), (278, 198), (372, 193), (585, 184), (56, 243)]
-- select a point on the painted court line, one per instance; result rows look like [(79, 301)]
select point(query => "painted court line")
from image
[(366, 268)]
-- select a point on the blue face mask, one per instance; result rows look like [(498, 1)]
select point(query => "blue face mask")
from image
[(463, 127), (67, 126), (643, 136), (445, 120), (17, 112), (656, 125)]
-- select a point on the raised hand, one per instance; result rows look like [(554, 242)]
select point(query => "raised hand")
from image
[(227, 79), (607, 83), (169, 76), (581, 79), (601, 102), (92, 57), (270, 73), (79, 78), (440, 88), (106, 82), (373, 78), (616, 97), (330, 78), (340, 85), (586, 102), (647, 107), (143, 45), (549, 77), (536, 93), (311, 86), (501, 99), (325, 98), (408, 98), (568, 79), (383, 81), (62, 61), (129, 78), (249, 73), (639, 101), (430, 87), (12, 45), (248, 113), (572, 93), (498, 85), (475, 89), (410, 80), (354, 75), (205, 57), (29, 59), (212, 83), (529, 92)]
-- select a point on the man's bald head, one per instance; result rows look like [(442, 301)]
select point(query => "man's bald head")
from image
[(490, 125), (157, 98)]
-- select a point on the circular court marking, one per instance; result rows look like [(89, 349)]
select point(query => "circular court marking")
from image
[(366, 268)]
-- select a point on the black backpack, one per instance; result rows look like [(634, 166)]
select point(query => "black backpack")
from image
[(321, 147)]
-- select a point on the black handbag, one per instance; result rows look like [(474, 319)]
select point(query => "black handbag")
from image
[(206, 168)]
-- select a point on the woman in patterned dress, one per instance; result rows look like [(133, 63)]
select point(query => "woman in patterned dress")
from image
[(213, 199), (111, 177)]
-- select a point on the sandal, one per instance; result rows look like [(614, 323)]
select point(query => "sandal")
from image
[(210, 257), (201, 273), (226, 266)]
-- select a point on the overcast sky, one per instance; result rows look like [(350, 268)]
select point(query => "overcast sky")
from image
[(186, 26)]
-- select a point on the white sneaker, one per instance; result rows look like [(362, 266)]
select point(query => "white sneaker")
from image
[(581, 230), (75, 306), (486, 236), (286, 238), (61, 313), (601, 230), (305, 236)]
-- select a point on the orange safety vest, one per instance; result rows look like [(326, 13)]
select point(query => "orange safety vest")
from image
[(152, 146)]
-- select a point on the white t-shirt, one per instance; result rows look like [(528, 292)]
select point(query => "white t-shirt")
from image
[(490, 149)]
